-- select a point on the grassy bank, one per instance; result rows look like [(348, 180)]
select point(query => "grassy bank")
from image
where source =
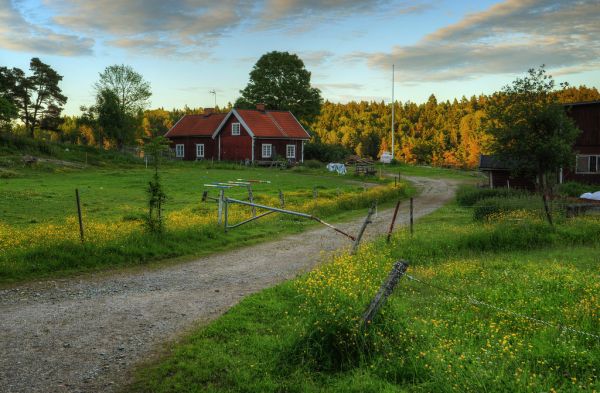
[(39, 233), (435, 334)]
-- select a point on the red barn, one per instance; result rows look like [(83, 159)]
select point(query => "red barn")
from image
[(586, 116), (241, 135)]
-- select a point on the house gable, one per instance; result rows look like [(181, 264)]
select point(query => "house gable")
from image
[(237, 116)]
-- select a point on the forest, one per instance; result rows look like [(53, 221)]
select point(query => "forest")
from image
[(434, 133), (439, 133)]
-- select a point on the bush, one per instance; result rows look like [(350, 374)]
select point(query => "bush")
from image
[(313, 164), (575, 189), (497, 206), (469, 195), (325, 152)]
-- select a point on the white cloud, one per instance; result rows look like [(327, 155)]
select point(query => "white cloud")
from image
[(507, 38), (18, 34)]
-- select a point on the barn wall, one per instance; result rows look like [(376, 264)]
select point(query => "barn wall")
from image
[(279, 149), (210, 146), (503, 179), (235, 147), (587, 119)]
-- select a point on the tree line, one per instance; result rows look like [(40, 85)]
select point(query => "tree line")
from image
[(440, 133), (446, 133)]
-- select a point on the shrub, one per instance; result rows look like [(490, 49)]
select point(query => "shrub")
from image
[(574, 189), (469, 195), (313, 164), (486, 208), (325, 152)]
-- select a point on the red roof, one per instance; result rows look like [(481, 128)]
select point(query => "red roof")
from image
[(196, 125), (261, 124), (271, 124)]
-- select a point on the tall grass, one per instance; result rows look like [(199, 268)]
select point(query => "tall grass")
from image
[(308, 335), (468, 195)]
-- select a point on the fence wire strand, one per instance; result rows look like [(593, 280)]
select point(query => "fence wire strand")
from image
[(478, 302)]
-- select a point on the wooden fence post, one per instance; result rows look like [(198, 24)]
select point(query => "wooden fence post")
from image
[(220, 211), (226, 201), (411, 216), (362, 230), (547, 208), (315, 193), (79, 215), (251, 199), (385, 291), (389, 234), (281, 199), (204, 195)]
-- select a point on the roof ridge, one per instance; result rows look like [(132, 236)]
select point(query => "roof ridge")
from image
[(277, 124)]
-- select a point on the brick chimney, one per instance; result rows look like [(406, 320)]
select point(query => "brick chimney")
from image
[(208, 111), (260, 107)]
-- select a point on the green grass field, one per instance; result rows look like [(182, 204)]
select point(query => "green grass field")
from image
[(114, 194), (305, 335), (39, 230)]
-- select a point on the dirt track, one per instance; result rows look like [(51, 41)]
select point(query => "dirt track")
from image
[(83, 335)]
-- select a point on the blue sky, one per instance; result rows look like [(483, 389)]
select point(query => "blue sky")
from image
[(185, 48)]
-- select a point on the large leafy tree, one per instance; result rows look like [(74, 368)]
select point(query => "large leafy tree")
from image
[(37, 98), (129, 87), (8, 108), (121, 96), (280, 81), (530, 129)]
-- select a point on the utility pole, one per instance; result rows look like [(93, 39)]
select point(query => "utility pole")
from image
[(393, 66), (214, 92)]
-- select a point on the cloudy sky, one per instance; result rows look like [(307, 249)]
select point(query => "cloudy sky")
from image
[(185, 48)]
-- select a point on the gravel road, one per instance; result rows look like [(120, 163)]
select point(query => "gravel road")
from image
[(85, 334)]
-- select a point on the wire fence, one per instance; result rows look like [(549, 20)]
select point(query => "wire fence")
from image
[(476, 302)]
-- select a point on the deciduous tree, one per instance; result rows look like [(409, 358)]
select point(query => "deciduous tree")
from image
[(280, 81)]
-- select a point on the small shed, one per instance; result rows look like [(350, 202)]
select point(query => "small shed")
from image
[(499, 175)]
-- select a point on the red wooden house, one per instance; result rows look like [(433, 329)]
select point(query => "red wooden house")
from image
[(586, 168), (250, 135)]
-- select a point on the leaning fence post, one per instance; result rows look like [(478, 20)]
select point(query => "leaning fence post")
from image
[(226, 201), (220, 212), (389, 234), (411, 215), (385, 291), (251, 199), (281, 199), (79, 214), (547, 209), (362, 230)]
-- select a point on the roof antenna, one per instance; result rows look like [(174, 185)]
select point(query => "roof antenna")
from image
[(214, 92)]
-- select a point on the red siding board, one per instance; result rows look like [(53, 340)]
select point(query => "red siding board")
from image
[(279, 149), (189, 142), (587, 119), (235, 147)]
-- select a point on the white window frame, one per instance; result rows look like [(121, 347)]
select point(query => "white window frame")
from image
[(235, 129), (290, 149), (180, 150), (266, 150), (586, 170), (199, 150)]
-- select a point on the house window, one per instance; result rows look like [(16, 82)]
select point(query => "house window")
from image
[(179, 151), (199, 150), (290, 151), (235, 128), (587, 164), (266, 150)]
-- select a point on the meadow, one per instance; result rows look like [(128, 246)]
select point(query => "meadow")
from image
[(505, 304), (39, 233)]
